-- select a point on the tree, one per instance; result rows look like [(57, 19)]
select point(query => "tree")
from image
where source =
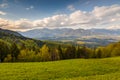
[(27, 55), (93, 53), (45, 53), (54, 54), (116, 52), (4, 50), (60, 52), (99, 53), (70, 52), (79, 52), (8, 58), (14, 51), (85, 52)]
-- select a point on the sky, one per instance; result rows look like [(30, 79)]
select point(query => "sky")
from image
[(22, 15)]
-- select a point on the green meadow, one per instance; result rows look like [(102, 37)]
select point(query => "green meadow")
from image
[(73, 69)]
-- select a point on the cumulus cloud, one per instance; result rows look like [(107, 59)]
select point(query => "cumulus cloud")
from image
[(71, 7), (2, 13), (54, 21), (23, 24), (99, 16), (7, 24)]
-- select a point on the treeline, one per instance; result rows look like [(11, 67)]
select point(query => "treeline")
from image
[(28, 51)]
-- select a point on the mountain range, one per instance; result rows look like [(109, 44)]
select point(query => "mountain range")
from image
[(69, 33), (65, 35)]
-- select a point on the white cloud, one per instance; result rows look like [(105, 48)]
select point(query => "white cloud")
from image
[(7, 24), (54, 21), (23, 24), (71, 7), (29, 8), (3, 5), (106, 10), (2, 13), (98, 17), (114, 26)]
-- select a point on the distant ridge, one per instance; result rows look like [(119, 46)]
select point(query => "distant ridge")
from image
[(68, 32)]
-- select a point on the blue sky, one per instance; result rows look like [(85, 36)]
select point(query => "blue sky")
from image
[(45, 8), (25, 12)]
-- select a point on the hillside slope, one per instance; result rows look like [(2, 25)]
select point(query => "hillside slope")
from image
[(12, 36)]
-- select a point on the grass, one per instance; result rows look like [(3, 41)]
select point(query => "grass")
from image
[(74, 69)]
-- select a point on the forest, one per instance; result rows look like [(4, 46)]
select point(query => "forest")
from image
[(29, 51)]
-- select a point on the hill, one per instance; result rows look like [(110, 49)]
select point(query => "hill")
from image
[(74, 69), (12, 36), (9, 33)]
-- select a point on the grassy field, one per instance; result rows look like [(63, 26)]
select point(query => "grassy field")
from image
[(77, 69)]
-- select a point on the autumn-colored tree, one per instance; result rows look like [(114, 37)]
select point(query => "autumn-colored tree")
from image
[(45, 53), (27, 55)]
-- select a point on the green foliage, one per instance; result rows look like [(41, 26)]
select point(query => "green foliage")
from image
[(54, 54), (27, 55), (60, 52), (109, 51), (98, 53), (4, 50), (8, 58), (115, 51), (14, 51), (70, 52), (84, 52), (30, 44)]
